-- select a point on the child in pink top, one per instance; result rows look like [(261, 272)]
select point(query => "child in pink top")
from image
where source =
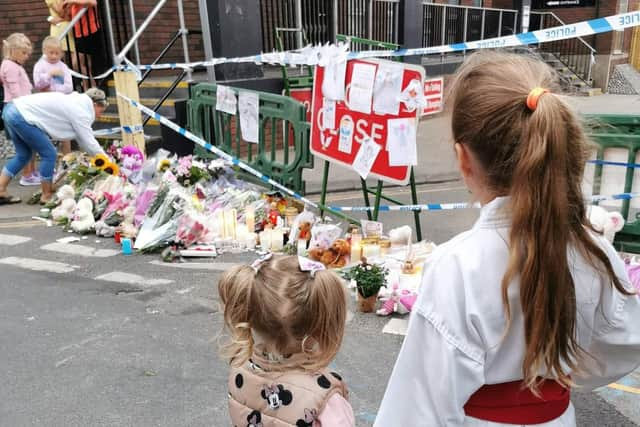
[(50, 74), (16, 50)]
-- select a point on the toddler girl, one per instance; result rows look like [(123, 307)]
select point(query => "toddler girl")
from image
[(286, 317), (530, 302), (16, 50), (50, 74)]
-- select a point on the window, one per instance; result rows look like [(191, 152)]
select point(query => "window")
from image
[(618, 36)]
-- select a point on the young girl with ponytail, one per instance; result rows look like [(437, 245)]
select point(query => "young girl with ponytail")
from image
[(530, 304), (285, 316)]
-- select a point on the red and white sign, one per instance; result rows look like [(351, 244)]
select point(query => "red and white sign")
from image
[(433, 94), (326, 143), (304, 96)]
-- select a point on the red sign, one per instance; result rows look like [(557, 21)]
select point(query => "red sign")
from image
[(325, 143), (304, 96), (433, 89)]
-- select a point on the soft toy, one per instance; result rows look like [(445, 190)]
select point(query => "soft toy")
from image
[(127, 227), (333, 257), (66, 197), (104, 230), (603, 221), (304, 231), (400, 236), (398, 301), (64, 211), (132, 160), (83, 220)]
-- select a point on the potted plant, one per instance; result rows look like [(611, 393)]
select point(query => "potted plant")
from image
[(369, 279)]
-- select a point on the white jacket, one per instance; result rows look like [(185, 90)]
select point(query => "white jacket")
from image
[(455, 340), (62, 117)]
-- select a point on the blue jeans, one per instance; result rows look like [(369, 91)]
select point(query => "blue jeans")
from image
[(26, 139)]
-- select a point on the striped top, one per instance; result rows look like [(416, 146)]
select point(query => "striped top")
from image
[(88, 24)]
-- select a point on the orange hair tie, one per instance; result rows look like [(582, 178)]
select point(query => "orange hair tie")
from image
[(534, 96)]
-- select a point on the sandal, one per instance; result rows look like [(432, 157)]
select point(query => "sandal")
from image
[(9, 200)]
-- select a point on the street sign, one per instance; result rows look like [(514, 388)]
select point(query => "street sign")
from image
[(341, 143), (433, 94), (552, 4)]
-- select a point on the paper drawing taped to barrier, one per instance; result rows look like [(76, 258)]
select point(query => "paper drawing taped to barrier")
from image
[(366, 157), (345, 142), (329, 114), (333, 84), (361, 90), (413, 96), (387, 89), (401, 142), (226, 100), (249, 107)]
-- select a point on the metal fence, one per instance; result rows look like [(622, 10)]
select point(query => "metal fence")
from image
[(321, 20), (446, 24), (575, 53)]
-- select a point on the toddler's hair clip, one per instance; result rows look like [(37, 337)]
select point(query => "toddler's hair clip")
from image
[(257, 264), (534, 96), (310, 266)]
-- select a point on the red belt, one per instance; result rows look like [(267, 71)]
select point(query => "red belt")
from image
[(513, 403)]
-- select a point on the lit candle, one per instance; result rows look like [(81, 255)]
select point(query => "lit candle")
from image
[(265, 239), (250, 217), (302, 247), (230, 223), (356, 246), (277, 240), (370, 250), (220, 223)]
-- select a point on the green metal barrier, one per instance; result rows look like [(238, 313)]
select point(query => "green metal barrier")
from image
[(283, 149), (618, 131)]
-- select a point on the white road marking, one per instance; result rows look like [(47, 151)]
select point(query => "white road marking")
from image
[(215, 266), (39, 265), (12, 240), (397, 327), (132, 279), (79, 250)]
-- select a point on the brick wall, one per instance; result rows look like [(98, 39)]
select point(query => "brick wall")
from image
[(29, 17)]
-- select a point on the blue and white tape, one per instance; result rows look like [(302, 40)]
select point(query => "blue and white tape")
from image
[(215, 150), (611, 163), (122, 129), (456, 206), (312, 55)]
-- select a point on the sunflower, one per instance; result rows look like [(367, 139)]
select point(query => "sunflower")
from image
[(164, 165), (111, 169), (100, 161)]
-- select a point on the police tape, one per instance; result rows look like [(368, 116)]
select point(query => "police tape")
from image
[(312, 55), (233, 160), (611, 163), (121, 129), (456, 206)]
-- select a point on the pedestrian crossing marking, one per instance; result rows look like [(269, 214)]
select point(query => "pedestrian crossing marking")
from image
[(623, 387), (79, 250), (12, 240), (132, 279), (38, 265)]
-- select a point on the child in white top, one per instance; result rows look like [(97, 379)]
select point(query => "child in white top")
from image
[(530, 304), (50, 74)]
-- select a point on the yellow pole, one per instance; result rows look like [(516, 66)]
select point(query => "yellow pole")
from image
[(634, 50), (127, 85)]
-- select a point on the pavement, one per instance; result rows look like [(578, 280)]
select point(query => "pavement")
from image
[(89, 337)]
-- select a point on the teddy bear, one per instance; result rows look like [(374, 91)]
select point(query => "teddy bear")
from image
[(66, 197), (127, 227), (333, 257), (397, 301), (603, 221), (83, 220)]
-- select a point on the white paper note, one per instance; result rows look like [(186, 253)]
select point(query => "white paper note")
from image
[(387, 89), (333, 82), (226, 100), (329, 114), (413, 96), (361, 91), (249, 107), (345, 141), (402, 142), (366, 157)]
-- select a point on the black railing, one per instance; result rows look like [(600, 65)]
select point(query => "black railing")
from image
[(575, 53)]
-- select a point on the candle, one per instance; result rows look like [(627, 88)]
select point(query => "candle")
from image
[(302, 247), (356, 246), (370, 250), (250, 218), (265, 239), (230, 223), (277, 240), (250, 240), (220, 223)]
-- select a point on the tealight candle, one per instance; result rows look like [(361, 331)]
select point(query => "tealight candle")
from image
[(250, 219)]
